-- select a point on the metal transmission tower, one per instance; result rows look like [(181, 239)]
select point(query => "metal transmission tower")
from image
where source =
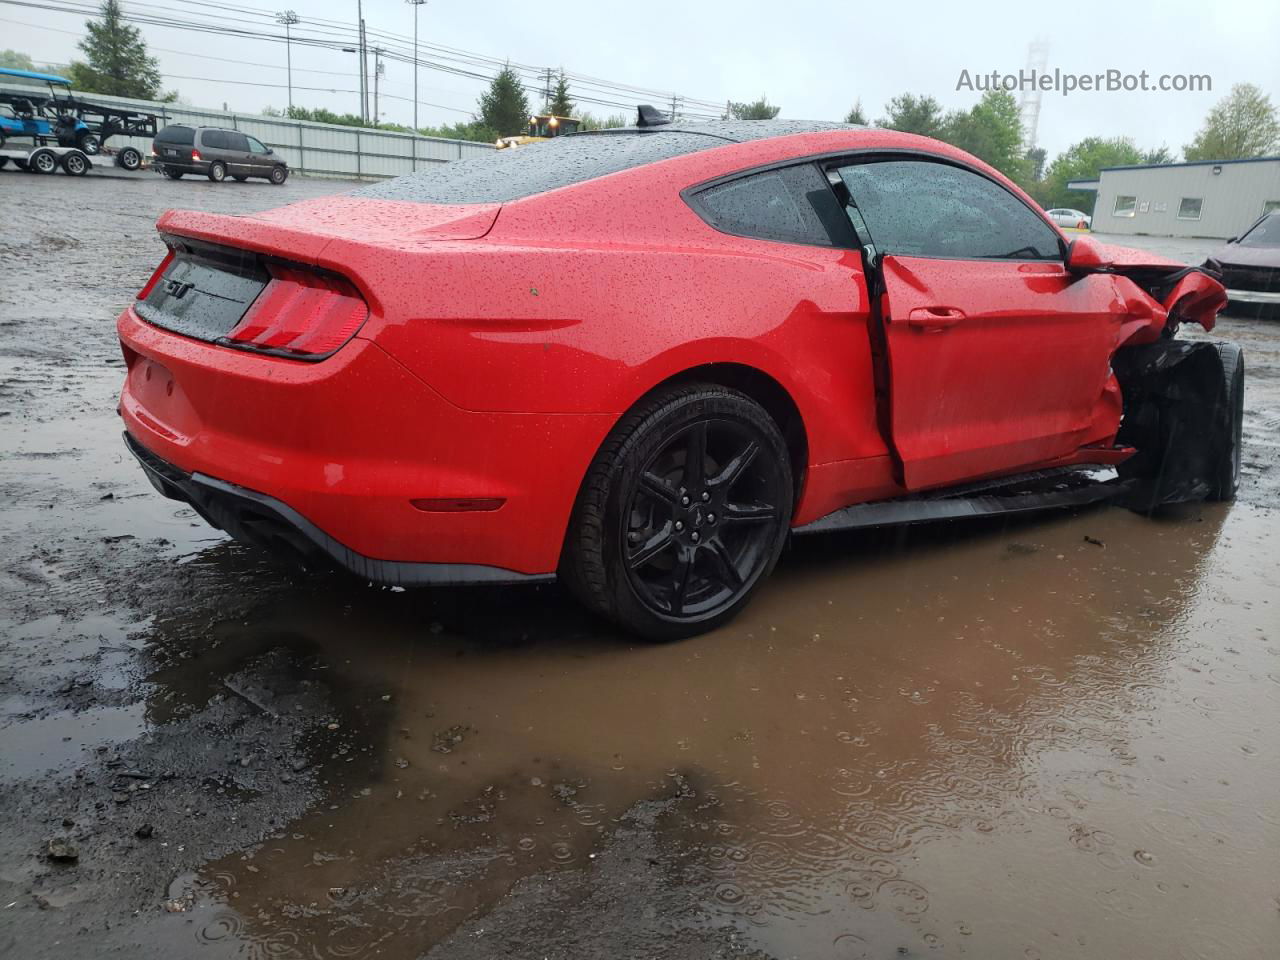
[(1029, 105), (288, 18), (416, 4)]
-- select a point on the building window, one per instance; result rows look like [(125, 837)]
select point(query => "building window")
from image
[(1189, 208), (1269, 206), (1125, 207)]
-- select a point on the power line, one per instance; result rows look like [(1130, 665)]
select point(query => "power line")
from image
[(329, 34)]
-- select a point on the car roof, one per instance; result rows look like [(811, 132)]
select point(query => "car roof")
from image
[(512, 174)]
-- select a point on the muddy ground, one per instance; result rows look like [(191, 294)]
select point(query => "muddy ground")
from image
[(1049, 738)]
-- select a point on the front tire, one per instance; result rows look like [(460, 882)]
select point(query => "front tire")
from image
[(1226, 480), (279, 175), (683, 513), (217, 171)]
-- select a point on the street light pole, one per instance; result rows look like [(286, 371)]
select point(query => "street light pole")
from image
[(416, 5), (288, 18)]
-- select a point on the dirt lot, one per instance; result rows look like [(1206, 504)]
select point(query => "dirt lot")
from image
[(1049, 738)]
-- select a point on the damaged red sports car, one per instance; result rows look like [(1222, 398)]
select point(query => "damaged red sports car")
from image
[(640, 359)]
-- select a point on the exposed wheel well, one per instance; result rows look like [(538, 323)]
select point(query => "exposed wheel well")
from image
[(764, 390)]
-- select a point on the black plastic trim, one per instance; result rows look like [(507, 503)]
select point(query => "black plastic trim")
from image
[(260, 520)]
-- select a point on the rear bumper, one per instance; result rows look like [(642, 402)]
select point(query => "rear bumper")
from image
[(262, 521), (340, 450)]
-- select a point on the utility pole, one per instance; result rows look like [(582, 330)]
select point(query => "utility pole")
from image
[(364, 71), (364, 91), (674, 100), (416, 4), (546, 92), (379, 70), (288, 18)]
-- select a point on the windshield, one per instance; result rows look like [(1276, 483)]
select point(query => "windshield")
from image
[(1265, 234)]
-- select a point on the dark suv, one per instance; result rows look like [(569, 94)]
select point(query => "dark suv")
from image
[(216, 153)]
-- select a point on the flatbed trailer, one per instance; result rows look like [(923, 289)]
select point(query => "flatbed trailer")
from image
[(41, 158)]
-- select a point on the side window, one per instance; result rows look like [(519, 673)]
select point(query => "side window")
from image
[(213, 139), (236, 141), (255, 145), (925, 209), (793, 204)]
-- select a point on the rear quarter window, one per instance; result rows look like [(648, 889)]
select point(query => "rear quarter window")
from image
[(787, 204)]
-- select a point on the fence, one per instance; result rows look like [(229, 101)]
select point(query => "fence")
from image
[(321, 149)]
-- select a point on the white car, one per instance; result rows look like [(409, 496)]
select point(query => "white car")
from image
[(1065, 217)]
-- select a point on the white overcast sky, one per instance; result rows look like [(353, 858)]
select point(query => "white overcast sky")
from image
[(815, 59)]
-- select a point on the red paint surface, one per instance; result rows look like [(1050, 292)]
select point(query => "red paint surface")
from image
[(504, 341)]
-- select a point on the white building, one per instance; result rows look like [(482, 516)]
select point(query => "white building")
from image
[(1203, 199)]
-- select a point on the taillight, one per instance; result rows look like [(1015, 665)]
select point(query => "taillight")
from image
[(195, 154), (301, 313), (155, 277)]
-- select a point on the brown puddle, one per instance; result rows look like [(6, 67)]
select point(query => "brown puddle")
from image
[(1005, 742)]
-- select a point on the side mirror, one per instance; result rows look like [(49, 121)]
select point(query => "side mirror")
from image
[(1085, 255), (269, 150)]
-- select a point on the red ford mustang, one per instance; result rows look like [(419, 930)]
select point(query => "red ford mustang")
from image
[(637, 359)]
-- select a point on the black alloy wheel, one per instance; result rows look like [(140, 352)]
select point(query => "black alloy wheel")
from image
[(684, 512)]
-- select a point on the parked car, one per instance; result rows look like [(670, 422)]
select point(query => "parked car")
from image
[(639, 359), (1066, 217), (1250, 267), (215, 153)]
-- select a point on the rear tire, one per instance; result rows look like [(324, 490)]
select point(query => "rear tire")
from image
[(217, 171), (90, 143), (129, 158), (1226, 480), (173, 174), (682, 515), (239, 177), (4, 162)]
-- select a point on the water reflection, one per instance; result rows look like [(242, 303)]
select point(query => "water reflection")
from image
[(884, 692)]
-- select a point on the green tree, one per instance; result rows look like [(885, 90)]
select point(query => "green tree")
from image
[(15, 60), (1241, 125), (991, 131), (1161, 154), (912, 114), (561, 103), (1036, 158), (119, 64), (1082, 161), (589, 121), (856, 115), (760, 109), (504, 108)]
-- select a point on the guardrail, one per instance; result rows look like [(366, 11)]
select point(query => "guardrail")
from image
[(320, 149)]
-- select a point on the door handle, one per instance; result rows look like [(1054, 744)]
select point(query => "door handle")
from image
[(934, 318)]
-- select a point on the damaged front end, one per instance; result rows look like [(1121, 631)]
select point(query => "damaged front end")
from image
[(1183, 399)]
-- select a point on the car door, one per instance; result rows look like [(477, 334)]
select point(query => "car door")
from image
[(998, 357), (259, 158), (239, 161)]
